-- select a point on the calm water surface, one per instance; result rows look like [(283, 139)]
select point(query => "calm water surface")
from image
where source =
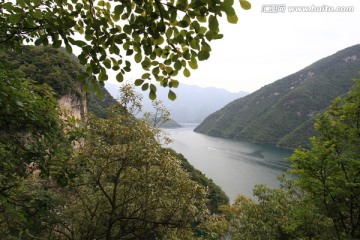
[(236, 166)]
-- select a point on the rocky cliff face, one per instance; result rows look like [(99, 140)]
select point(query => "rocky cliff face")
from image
[(75, 105)]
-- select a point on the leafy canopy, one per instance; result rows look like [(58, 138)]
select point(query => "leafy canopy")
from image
[(164, 37), (127, 186), (32, 145), (330, 170), (321, 202)]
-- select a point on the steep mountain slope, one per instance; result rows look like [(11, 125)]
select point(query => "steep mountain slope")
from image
[(192, 104), (59, 70), (283, 112)]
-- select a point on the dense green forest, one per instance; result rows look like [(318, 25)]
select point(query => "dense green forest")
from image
[(57, 69), (110, 169), (322, 201), (284, 112)]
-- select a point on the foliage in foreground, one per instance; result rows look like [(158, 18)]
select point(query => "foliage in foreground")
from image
[(330, 170), (320, 196), (31, 142), (163, 37), (111, 179), (126, 186)]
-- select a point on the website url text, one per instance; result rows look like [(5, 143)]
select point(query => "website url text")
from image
[(282, 8)]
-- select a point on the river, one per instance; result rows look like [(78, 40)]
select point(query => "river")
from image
[(236, 166)]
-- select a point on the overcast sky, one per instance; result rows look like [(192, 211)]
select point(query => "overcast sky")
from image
[(264, 47)]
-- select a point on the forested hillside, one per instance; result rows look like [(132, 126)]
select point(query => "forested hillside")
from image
[(57, 173), (58, 69), (283, 112)]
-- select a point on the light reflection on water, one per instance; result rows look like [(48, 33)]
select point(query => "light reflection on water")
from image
[(236, 166)]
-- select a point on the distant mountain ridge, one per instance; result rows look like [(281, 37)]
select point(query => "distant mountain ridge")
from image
[(283, 112), (192, 104)]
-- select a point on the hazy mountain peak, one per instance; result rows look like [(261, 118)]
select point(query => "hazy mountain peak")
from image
[(193, 103)]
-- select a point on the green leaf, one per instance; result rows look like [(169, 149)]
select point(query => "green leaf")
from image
[(68, 48), (146, 63), (103, 76), (171, 95), (129, 52), (154, 63), (194, 44), (245, 4), (209, 36), (126, 46), (193, 63), (127, 29), (57, 43), (152, 95), (205, 47), (145, 86), (228, 3), (152, 87), (213, 24), (15, 18), (183, 23), (107, 63), (138, 57), (155, 70), (203, 30), (196, 26), (203, 55), (186, 54), (178, 65), (186, 72), (21, 3), (145, 76), (218, 36), (169, 32), (114, 49), (168, 69), (119, 77), (232, 18), (158, 41), (38, 42), (45, 41), (119, 9), (101, 3), (36, 2), (79, 43), (201, 18), (174, 83), (138, 82), (36, 14), (8, 6)]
